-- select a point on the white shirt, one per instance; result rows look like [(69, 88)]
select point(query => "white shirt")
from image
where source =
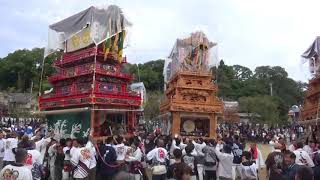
[(10, 172), (41, 147), (10, 143), (93, 153), (272, 143), (67, 157), (2, 146), (259, 161), (159, 154), (308, 149), (249, 172), (85, 155), (72, 150), (199, 147), (303, 158), (225, 163), (136, 156), (52, 151), (33, 157), (121, 151), (173, 147), (291, 147)]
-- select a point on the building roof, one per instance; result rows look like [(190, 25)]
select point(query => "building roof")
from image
[(231, 105), (137, 85), (20, 98)]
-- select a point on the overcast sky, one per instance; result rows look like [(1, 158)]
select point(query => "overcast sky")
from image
[(248, 32)]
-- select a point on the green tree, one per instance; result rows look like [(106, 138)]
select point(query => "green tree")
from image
[(150, 73), (262, 108), (242, 73), (152, 107), (21, 69)]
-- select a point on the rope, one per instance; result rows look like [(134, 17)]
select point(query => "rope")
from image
[(109, 165)]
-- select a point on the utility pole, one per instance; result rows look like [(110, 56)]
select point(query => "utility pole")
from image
[(271, 89), (138, 72), (31, 88)]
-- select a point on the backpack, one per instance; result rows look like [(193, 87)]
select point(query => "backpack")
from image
[(210, 158)]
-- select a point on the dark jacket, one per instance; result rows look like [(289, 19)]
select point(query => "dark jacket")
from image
[(109, 166), (274, 164), (290, 172), (171, 169), (316, 171), (237, 149)]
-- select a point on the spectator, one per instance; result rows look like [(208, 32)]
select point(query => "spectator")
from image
[(292, 146), (67, 167), (2, 148), (256, 155), (136, 168), (159, 158), (237, 149), (248, 167), (121, 149), (10, 143), (290, 166), (316, 169), (302, 157), (107, 160), (52, 153), (274, 163), (225, 161), (177, 153), (211, 162), (190, 160), (199, 145), (17, 171), (83, 161), (182, 172), (304, 173)]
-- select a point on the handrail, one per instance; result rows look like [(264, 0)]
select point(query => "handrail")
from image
[(78, 71)]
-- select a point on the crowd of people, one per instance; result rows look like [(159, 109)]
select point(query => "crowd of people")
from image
[(35, 154), (262, 133)]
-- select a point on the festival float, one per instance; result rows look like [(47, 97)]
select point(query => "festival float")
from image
[(91, 91), (191, 106), (311, 106)]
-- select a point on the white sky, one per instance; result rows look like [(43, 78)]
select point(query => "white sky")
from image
[(249, 32)]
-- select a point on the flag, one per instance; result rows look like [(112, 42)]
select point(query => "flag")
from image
[(106, 47), (122, 35)]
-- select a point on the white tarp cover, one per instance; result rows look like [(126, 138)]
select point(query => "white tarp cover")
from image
[(102, 22), (312, 55), (190, 54), (313, 50)]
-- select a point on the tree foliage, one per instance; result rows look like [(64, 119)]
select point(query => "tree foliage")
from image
[(150, 73), (152, 107), (22, 68), (260, 108), (253, 90)]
